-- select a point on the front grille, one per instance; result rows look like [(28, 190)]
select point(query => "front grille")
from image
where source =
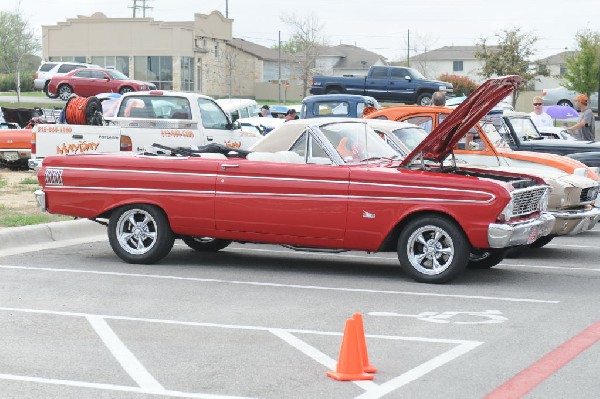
[(588, 194), (527, 201)]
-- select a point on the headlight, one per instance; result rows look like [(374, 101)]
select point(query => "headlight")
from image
[(592, 194), (506, 212), (441, 88), (543, 202)]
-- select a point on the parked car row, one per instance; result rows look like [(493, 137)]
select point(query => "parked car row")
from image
[(431, 196), (563, 96)]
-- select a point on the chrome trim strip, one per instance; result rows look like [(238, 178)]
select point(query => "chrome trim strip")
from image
[(124, 189), (151, 172)]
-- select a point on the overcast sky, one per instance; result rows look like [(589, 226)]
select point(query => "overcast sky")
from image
[(381, 26)]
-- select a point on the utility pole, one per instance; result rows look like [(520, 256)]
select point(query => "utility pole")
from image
[(408, 49), (142, 7), (226, 8), (279, 67)]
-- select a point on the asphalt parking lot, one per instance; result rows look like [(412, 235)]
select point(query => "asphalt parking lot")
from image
[(265, 321)]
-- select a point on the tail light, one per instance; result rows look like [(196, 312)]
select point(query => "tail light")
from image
[(33, 144), (36, 75), (543, 93), (126, 143)]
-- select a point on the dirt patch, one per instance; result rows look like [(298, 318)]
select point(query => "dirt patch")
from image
[(18, 206)]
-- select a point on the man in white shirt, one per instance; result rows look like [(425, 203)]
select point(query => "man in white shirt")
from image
[(538, 116)]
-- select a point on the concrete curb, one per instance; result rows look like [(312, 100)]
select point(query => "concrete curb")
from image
[(15, 237)]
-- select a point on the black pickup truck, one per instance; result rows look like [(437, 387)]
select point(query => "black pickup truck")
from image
[(384, 83)]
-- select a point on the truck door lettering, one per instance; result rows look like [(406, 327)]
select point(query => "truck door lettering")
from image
[(76, 148)]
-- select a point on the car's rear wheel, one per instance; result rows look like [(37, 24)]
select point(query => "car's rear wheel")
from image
[(333, 91), (565, 103), (65, 91), (125, 89), (46, 91), (140, 233), (424, 99), (486, 259), (433, 249), (206, 244)]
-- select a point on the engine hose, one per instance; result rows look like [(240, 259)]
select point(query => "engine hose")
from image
[(84, 111)]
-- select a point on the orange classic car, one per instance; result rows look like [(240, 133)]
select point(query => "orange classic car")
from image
[(484, 144), (322, 184)]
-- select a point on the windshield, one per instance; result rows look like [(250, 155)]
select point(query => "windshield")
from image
[(357, 142), (524, 128), (114, 74), (495, 137), (411, 137)]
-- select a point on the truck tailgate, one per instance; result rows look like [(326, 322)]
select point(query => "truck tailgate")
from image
[(74, 139)]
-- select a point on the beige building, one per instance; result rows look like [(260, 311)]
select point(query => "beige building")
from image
[(186, 55)]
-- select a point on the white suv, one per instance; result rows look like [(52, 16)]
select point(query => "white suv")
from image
[(49, 69)]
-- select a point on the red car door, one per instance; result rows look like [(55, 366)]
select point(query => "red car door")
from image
[(282, 199)]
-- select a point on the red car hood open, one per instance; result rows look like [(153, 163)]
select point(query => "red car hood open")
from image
[(440, 142)]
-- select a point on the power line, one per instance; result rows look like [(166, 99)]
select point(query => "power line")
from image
[(140, 5)]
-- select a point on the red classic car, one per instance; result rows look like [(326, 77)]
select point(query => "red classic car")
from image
[(91, 81), (321, 184)]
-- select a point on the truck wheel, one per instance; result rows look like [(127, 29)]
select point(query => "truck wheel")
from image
[(424, 99), (333, 91), (433, 249), (140, 233), (486, 259), (125, 89), (206, 244), (64, 92), (46, 91), (565, 103)]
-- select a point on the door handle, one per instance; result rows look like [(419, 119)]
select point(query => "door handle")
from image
[(224, 166), (78, 136), (209, 138)]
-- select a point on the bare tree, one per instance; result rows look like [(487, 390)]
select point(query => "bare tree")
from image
[(228, 60), (423, 44), (304, 45), (16, 42), (512, 56)]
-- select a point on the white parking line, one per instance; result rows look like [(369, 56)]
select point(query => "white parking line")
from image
[(586, 269), (150, 386), (295, 286), (128, 361)]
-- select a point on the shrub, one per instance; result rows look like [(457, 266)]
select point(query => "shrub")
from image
[(8, 81), (463, 86)]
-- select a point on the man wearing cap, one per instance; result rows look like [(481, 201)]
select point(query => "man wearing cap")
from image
[(585, 129), (265, 111)]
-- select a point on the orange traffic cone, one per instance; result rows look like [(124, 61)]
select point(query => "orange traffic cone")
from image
[(350, 364), (362, 344)]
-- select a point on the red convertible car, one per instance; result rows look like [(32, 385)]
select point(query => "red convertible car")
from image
[(311, 184)]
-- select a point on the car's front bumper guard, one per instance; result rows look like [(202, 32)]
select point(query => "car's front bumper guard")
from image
[(587, 219), (520, 233)]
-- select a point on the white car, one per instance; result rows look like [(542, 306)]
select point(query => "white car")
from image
[(49, 69), (563, 96)]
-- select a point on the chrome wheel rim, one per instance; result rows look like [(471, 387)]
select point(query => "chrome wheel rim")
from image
[(136, 231), (430, 250), (64, 93)]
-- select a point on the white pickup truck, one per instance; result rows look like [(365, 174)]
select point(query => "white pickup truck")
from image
[(141, 119)]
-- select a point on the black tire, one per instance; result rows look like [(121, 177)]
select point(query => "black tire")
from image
[(451, 247), (125, 89), (333, 91), (206, 244), (424, 99), (140, 233), (46, 91), (486, 259), (65, 91), (565, 103), (540, 242)]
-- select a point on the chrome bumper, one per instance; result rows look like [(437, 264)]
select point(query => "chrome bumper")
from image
[(520, 233), (35, 164), (574, 222), (40, 198)]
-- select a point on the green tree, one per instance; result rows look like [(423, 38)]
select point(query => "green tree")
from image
[(304, 45), (511, 56), (583, 66), (17, 42)]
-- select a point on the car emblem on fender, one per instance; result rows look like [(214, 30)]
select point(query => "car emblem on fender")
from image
[(368, 215)]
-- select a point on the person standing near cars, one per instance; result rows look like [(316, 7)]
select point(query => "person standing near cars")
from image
[(585, 129), (538, 116), (265, 111), (290, 115), (438, 99)]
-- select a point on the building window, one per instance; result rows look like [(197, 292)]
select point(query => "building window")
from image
[(543, 69), (155, 69), (68, 58), (457, 66), (187, 73), (120, 63), (563, 70)]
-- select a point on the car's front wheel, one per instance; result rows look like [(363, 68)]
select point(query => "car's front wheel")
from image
[(125, 89), (433, 249), (424, 99), (206, 244), (140, 233), (64, 92)]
